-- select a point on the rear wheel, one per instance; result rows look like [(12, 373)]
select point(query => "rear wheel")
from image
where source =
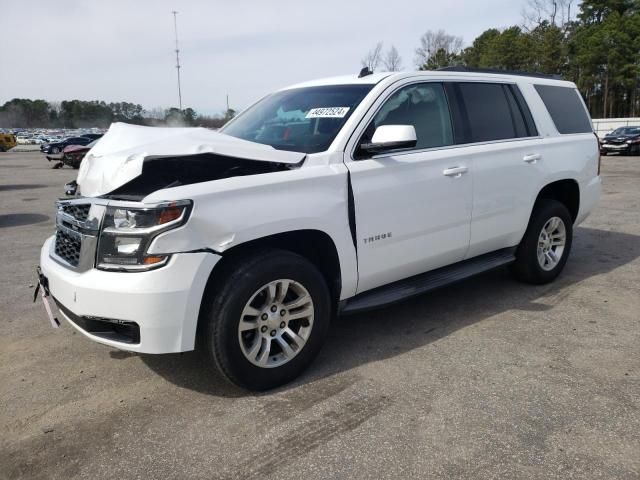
[(545, 247), (266, 320)]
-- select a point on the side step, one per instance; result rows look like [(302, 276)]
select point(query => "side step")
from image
[(425, 282)]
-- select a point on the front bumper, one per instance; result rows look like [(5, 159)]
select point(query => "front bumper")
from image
[(609, 147), (163, 304)]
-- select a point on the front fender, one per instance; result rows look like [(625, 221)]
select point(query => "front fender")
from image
[(227, 213)]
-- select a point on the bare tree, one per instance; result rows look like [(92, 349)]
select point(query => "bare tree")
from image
[(554, 12), (372, 59), (432, 42), (392, 60)]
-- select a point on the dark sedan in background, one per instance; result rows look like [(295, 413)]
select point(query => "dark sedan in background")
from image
[(57, 147), (623, 140)]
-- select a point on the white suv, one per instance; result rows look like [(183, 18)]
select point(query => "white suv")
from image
[(333, 196)]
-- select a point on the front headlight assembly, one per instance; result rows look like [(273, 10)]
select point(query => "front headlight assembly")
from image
[(127, 233)]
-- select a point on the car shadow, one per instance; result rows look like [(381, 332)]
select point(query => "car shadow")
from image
[(21, 219), (387, 332), (25, 186)]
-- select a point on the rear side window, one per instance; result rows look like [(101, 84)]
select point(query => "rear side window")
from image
[(492, 112), (566, 108)]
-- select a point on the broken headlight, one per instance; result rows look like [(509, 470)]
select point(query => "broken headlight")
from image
[(127, 233)]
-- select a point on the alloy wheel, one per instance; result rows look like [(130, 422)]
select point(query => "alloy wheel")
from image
[(276, 323), (551, 243)]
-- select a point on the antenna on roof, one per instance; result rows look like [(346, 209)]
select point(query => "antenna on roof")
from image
[(364, 72)]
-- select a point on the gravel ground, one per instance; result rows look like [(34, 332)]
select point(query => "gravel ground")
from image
[(484, 379)]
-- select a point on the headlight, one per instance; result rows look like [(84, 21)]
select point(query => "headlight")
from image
[(127, 233)]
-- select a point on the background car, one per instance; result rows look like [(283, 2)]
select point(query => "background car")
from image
[(73, 154), (7, 142), (624, 140), (57, 147), (94, 136)]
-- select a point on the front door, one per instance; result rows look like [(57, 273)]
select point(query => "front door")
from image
[(412, 207)]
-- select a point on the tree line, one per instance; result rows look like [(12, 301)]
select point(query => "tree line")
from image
[(26, 113), (595, 44)]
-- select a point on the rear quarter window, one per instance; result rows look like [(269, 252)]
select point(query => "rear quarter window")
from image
[(566, 109)]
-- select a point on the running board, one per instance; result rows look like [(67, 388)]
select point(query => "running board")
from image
[(428, 281)]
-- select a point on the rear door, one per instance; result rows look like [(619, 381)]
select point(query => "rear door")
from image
[(508, 163), (412, 209)]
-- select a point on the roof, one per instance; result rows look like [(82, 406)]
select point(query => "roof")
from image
[(343, 80), (436, 74)]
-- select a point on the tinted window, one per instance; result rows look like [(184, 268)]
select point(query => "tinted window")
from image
[(532, 131), (516, 114), (422, 105), (488, 111), (566, 108), (302, 119)]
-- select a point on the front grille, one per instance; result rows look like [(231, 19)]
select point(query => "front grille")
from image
[(79, 211), (67, 247)]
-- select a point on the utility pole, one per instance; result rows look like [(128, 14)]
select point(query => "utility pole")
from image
[(175, 27)]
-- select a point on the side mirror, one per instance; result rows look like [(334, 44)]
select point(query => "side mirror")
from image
[(391, 137)]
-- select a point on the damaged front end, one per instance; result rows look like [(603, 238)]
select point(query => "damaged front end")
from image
[(134, 161), (169, 172)]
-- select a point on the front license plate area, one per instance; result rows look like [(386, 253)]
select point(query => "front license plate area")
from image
[(43, 288)]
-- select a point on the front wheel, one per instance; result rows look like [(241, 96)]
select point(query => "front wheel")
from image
[(266, 320), (546, 244)]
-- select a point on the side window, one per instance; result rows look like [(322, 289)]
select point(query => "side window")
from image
[(422, 105), (566, 108), (516, 115), (489, 113)]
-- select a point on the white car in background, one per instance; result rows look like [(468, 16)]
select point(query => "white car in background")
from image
[(327, 197)]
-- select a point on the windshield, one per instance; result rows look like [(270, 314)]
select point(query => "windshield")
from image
[(301, 120), (627, 131)]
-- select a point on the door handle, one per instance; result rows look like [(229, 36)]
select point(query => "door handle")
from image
[(455, 172), (532, 157)]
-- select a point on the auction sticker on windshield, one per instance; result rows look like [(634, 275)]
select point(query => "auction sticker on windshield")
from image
[(327, 112)]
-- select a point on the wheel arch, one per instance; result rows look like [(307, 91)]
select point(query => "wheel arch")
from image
[(565, 191), (315, 245)]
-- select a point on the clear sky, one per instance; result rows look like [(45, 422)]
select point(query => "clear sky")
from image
[(122, 50)]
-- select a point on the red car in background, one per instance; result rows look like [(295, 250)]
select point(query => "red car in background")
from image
[(73, 154)]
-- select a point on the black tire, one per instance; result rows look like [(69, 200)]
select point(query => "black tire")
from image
[(604, 154), (527, 267), (222, 309)]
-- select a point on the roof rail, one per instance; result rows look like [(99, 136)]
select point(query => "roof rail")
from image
[(459, 68)]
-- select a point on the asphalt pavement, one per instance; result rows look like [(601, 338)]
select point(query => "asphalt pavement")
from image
[(485, 379)]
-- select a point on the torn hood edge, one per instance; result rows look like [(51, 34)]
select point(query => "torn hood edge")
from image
[(118, 156)]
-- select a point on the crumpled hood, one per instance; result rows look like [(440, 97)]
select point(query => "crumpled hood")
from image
[(118, 156)]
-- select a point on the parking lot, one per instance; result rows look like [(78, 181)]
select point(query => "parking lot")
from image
[(488, 378)]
